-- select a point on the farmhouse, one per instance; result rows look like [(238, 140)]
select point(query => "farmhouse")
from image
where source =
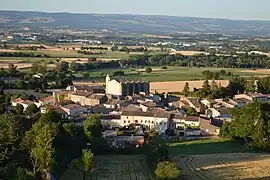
[(152, 119), (73, 110), (87, 98), (253, 97), (111, 121), (191, 102), (50, 100), (92, 89), (24, 103), (121, 88)]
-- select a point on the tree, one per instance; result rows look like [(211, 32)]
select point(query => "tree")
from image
[(186, 89), (85, 164), (62, 66), (8, 138), (42, 153), (206, 87), (38, 143), (237, 85), (20, 84), (208, 75), (148, 70), (214, 86), (250, 86), (264, 85), (93, 127), (192, 112), (19, 109), (167, 170), (31, 109)]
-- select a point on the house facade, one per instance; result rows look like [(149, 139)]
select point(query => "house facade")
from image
[(153, 120)]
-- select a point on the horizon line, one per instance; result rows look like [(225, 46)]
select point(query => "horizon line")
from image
[(135, 14)]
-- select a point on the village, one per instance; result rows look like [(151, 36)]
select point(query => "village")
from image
[(127, 110)]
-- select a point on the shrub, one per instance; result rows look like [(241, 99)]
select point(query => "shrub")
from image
[(167, 170), (148, 70)]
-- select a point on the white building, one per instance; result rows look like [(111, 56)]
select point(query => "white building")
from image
[(159, 120), (124, 88)]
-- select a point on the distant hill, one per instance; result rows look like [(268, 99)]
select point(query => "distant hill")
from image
[(164, 25)]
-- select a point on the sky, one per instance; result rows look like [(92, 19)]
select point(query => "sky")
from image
[(231, 9)]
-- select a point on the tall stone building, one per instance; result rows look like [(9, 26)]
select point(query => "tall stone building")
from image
[(125, 88)]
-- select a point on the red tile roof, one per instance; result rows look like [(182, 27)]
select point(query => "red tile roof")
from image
[(46, 98), (18, 100)]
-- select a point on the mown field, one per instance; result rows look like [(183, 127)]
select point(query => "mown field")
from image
[(222, 159), (118, 167), (169, 74), (207, 146)]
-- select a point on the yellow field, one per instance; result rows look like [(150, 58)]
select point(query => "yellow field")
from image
[(232, 166), (178, 86)]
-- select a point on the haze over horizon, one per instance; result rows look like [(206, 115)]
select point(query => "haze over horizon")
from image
[(229, 9)]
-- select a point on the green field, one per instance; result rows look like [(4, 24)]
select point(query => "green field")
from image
[(207, 146), (74, 54), (118, 167), (170, 74)]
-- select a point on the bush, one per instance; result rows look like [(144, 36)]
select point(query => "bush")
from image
[(164, 67), (167, 170), (148, 70), (118, 73)]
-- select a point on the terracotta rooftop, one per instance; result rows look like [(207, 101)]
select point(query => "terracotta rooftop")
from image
[(96, 96), (81, 93), (27, 102), (18, 100), (71, 106), (159, 114), (192, 118), (46, 98)]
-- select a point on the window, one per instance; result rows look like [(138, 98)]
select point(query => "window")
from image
[(127, 117), (148, 121), (160, 123), (145, 121), (141, 121), (124, 122), (152, 122), (128, 121)]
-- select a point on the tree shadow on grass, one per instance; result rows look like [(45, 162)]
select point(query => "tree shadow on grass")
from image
[(205, 147)]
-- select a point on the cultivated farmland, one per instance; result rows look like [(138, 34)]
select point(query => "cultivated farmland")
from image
[(231, 166), (221, 159), (117, 167)]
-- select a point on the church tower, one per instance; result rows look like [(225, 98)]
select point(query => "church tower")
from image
[(108, 79)]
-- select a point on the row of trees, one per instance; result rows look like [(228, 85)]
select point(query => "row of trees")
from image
[(201, 60), (88, 52), (94, 48), (237, 85), (22, 54)]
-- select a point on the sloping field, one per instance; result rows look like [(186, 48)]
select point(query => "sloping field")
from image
[(188, 53), (232, 166), (19, 64), (178, 86), (258, 71), (118, 167)]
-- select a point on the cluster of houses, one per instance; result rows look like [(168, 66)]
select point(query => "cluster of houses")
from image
[(122, 103)]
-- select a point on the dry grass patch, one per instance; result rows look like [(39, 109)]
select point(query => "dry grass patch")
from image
[(178, 86), (257, 71), (20, 65), (227, 166)]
